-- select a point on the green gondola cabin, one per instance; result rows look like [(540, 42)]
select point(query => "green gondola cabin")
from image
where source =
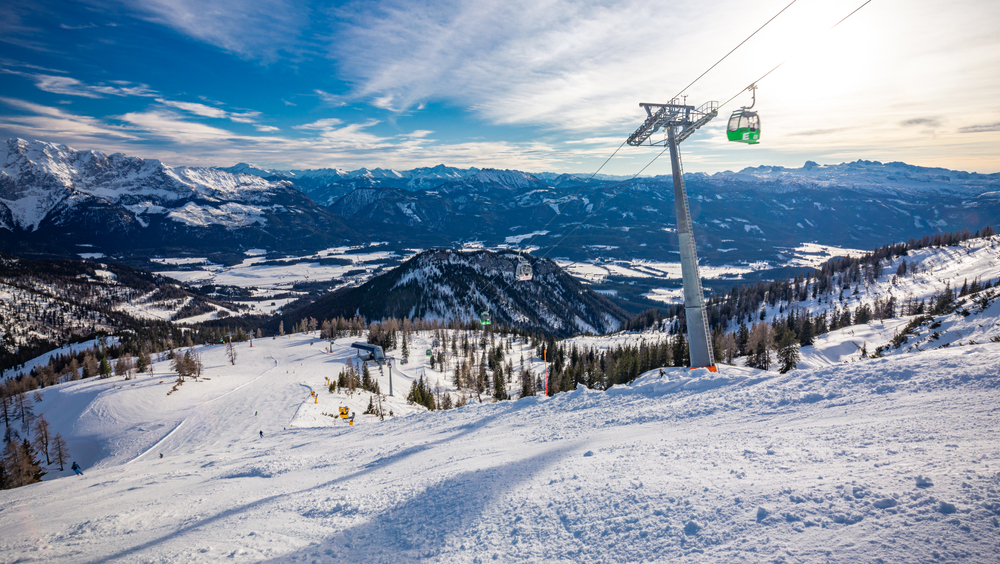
[(744, 127)]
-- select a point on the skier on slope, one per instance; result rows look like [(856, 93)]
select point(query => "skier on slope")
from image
[(76, 468), (262, 434)]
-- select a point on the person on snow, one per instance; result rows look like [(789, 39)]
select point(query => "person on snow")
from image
[(76, 468), (161, 455), (262, 434)]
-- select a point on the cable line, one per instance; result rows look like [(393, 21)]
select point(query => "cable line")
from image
[(754, 83), (584, 185), (735, 48), (629, 182), (532, 240), (620, 188)]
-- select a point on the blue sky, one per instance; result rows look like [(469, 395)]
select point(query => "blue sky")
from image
[(541, 85)]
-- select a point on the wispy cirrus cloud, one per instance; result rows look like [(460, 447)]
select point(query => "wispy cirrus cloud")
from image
[(921, 122), (556, 63), (69, 86), (981, 128), (213, 112), (170, 135), (45, 122), (327, 98), (253, 29), (172, 126), (321, 125)]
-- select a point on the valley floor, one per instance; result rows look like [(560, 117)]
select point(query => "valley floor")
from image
[(887, 460)]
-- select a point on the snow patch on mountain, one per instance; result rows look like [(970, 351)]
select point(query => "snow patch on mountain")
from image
[(229, 215)]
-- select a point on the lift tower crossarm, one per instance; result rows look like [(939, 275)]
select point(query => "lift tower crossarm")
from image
[(672, 114)]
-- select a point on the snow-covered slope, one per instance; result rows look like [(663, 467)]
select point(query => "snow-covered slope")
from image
[(929, 272), (887, 460)]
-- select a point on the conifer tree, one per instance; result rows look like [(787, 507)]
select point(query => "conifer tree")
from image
[(500, 385), (16, 472), (142, 361), (366, 378), (35, 465), (42, 438), (60, 450), (788, 352), (105, 369)]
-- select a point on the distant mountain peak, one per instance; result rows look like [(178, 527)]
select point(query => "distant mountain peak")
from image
[(461, 285)]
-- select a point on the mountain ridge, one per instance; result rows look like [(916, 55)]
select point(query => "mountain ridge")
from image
[(49, 193)]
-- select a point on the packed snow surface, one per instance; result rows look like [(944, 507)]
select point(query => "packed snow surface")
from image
[(888, 460)]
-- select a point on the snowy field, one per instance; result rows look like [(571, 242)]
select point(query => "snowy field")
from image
[(251, 273), (597, 270), (888, 460)]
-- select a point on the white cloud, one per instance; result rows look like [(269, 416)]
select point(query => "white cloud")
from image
[(195, 108), (45, 122), (266, 128), (254, 29), (69, 86), (330, 99), (204, 110), (171, 137), (244, 117), (322, 124)]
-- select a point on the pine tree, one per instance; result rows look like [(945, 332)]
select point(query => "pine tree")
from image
[(142, 361), (788, 352), (366, 378), (15, 467), (180, 366), (105, 369), (42, 438), (500, 386), (35, 465), (60, 450)]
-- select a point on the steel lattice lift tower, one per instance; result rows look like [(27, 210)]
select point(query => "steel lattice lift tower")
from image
[(680, 121)]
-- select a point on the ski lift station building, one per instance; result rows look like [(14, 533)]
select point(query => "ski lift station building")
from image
[(370, 353)]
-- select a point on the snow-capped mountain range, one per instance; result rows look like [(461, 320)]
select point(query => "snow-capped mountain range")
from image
[(126, 205), (51, 195)]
